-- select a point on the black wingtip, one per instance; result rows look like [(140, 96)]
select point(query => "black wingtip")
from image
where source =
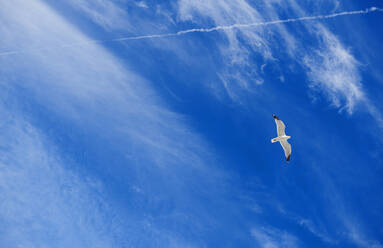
[(288, 159), (275, 117)]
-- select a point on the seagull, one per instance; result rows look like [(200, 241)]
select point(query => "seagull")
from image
[(282, 137)]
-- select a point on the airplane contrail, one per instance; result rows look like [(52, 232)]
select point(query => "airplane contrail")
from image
[(248, 25), (216, 28)]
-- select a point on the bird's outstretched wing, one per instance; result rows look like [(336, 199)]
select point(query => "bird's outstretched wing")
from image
[(287, 148), (280, 126)]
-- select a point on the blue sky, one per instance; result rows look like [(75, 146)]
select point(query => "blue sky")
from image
[(109, 141)]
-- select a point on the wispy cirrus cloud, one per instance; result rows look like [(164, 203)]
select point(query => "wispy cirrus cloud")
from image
[(332, 68), (142, 4), (358, 237), (98, 82), (113, 112), (274, 238), (104, 13), (239, 44), (314, 229), (43, 202), (335, 71)]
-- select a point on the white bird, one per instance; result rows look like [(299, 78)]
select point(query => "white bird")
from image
[(282, 137)]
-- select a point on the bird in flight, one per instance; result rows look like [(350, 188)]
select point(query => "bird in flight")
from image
[(282, 137)]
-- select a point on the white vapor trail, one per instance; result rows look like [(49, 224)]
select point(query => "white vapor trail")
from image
[(216, 28)]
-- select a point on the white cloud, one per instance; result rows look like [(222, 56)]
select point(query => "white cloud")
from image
[(332, 69), (94, 93), (348, 225), (336, 5), (142, 4), (274, 238), (161, 11), (358, 238), (335, 71), (314, 229), (86, 84), (41, 201), (45, 202), (354, 230), (104, 13), (240, 43)]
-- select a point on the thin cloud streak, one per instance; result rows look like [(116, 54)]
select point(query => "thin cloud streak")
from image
[(216, 28), (306, 18)]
